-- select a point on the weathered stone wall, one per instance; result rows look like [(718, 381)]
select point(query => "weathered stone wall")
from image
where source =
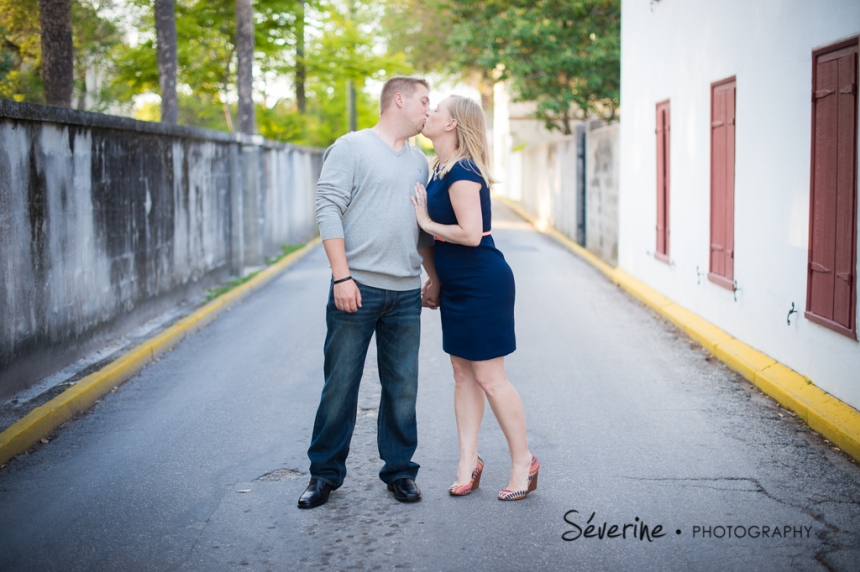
[(106, 222), (602, 167), (571, 184), (552, 183)]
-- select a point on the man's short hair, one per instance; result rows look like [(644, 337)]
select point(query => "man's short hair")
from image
[(399, 84)]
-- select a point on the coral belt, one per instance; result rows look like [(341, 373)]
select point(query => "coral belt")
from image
[(482, 234)]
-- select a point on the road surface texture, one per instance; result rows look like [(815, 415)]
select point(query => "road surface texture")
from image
[(197, 462)]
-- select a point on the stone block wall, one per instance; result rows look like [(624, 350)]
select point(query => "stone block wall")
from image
[(105, 222)]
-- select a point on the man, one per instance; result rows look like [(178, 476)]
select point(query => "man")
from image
[(375, 249)]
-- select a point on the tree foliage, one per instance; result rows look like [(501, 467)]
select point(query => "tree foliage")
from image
[(20, 51), (420, 30), (338, 48), (341, 47), (562, 54), (116, 61), (94, 37)]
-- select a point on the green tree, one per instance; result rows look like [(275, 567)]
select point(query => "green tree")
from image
[(421, 30), (94, 37), (58, 58), (165, 39), (562, 54), (206, 51), (300, 72), (339, 48), (20, 51), (245, 66), (336, 49)]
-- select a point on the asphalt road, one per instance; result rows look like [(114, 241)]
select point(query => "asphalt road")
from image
[(197, 463)]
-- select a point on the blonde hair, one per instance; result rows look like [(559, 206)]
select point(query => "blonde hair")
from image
[(399, 84), (471, 137)]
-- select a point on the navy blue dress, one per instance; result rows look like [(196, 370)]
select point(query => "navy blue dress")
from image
[(477, 299)]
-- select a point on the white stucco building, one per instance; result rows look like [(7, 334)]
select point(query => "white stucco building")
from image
[(752, 208)]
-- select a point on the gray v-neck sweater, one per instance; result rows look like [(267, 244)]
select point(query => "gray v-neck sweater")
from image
[(363, 197)]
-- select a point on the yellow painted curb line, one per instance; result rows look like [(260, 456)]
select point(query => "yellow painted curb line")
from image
[(43, 419), (834, 419)]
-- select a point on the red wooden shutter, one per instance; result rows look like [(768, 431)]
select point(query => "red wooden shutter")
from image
[(823, 238), (718, 183), (722, 183), (831, 275), (663, 154)]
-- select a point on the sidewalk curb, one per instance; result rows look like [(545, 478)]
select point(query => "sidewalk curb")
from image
[(21, 435), (835, 420)]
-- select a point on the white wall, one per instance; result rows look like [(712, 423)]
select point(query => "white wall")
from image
[(514, 131), (550, 177), (675, 49), (502, 143)]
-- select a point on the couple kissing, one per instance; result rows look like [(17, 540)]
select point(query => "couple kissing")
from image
[(383, 212)]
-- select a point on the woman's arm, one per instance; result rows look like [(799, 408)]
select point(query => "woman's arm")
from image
[(466, 200)]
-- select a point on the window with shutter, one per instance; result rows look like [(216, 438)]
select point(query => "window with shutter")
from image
[(831, 290), (662, 130), (723, 183)]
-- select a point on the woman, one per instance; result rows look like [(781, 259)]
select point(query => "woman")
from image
[(475, 289)]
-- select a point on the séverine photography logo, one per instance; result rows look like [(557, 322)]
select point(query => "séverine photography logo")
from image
[(588, 526)]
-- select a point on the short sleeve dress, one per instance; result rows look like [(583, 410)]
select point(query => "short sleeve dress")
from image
[(477, 285)]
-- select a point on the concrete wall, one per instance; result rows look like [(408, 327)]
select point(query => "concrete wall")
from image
[(602, 167), (514, 130), (567, 182), (552, 183), (675, 50), (106, 222)]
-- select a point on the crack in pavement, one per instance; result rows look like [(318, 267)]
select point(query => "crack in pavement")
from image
[(187, 556), (759, 488), (825, 536)]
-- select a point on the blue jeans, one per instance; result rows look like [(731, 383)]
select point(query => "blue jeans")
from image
[(395, 317)]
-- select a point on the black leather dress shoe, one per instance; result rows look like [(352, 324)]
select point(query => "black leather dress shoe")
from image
[(316, 493), (405, 490)]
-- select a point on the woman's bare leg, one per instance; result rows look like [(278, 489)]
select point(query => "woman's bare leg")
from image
[(508, 409), (469, 411)]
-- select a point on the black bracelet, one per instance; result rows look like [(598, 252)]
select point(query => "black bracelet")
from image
[(343, 280)]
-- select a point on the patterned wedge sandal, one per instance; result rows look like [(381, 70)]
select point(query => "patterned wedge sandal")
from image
[(507, 494), (462, 490)]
